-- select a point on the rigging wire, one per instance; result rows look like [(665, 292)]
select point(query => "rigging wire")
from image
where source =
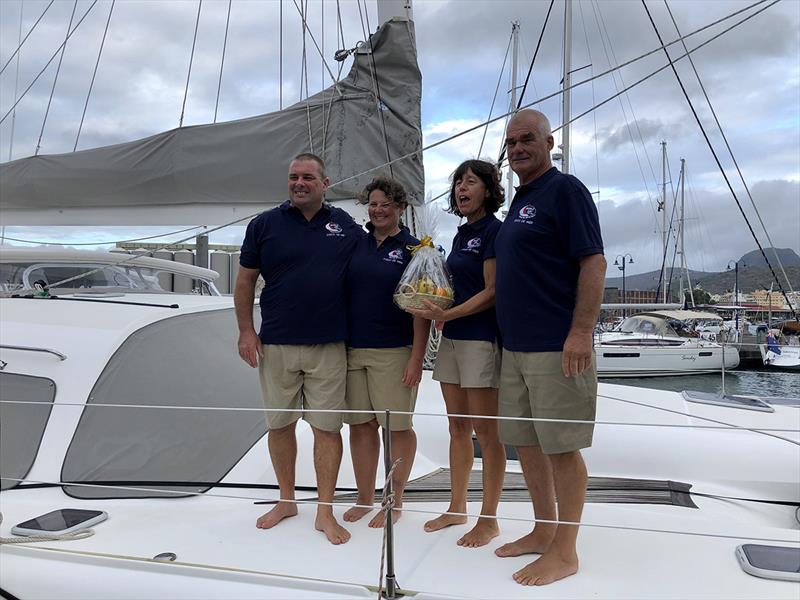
[(627, 97), (722, 170), (601, 29), (30, 31), (35, 79), (528, 76), (94, 74), (191, 60), (594, 99), (222, 62), (376, 88), (496, 90), (55, 79), (575, 85), (304, 73), (141, 239), (16, 89), (733, 158), (280, 55), (314, 40), (326, 111)]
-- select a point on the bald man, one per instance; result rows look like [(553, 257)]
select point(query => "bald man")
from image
[(549, 285)]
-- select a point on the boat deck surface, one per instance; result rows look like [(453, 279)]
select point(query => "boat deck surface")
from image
[(220, 552)]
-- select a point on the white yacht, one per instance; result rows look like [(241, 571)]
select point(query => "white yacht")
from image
[(783, 350), (661, 343)]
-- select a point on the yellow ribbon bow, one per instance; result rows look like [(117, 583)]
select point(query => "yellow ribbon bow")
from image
[(426, 241)]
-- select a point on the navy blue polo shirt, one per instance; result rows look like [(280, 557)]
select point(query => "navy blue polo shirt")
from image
[(374, 320), (552, 223), (473, 244), (304, 265)]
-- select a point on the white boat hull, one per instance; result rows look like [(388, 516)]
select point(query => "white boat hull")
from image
[(789, 358), (653, 361)]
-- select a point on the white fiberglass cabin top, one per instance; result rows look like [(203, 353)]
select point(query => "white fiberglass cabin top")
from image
[(94, 272)]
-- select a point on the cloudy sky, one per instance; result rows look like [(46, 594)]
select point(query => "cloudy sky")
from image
[(751, 75)]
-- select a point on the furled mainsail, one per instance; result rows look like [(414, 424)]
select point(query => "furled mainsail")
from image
[(212, 173)]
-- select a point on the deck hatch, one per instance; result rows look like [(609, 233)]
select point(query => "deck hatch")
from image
[(435, 487)]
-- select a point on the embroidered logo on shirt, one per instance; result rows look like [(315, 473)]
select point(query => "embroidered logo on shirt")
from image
[(473, 245), (334, 229), (526, 214), (395, 256)]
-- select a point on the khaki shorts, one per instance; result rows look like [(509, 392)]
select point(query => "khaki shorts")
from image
[(533, 385), (468, 363), (375, 382), (304, 376)]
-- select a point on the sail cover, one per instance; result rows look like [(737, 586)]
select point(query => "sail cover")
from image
[(210, 174)]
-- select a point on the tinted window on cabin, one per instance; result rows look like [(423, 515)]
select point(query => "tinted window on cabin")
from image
[(22, 425), (184, 361)]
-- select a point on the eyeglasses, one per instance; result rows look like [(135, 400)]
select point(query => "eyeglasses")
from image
[(525, 140)]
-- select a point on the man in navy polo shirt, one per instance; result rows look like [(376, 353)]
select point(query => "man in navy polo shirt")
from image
[(550, 278), (301, 248)]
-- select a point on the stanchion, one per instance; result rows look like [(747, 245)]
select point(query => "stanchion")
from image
[(723, 370), (391, 583)]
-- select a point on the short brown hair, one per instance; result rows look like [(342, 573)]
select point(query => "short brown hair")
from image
[(315, 158), (393, 189), (489, 175)]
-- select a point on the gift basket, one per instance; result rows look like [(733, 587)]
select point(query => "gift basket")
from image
[(426, 278)]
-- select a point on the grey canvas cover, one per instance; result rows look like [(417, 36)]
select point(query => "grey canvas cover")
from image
[(244, 162), (22, 425), (183, 361)]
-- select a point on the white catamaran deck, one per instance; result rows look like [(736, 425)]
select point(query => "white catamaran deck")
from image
[(678, 545)]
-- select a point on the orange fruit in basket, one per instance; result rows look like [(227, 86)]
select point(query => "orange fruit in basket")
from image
[(441, 292)]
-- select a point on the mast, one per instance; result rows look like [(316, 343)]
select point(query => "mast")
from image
[(388, 9), (514, 61), (565, 96), (684, 264), (664, 220)]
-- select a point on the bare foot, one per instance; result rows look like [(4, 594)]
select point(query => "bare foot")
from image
[(279, 512), (327, 524), (536, 542), (480, 535), (354, 514), (547, 569), (379, 520), (443, 521)]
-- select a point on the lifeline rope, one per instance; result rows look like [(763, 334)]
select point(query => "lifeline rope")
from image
[(313, 502), (387, 505), (75, 535)]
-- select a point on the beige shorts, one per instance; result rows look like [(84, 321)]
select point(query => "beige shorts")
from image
[(375, 382), (532, 384), (304, 376), (468, 363)]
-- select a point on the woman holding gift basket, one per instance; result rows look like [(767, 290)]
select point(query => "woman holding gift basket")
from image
[(468, 361), (386, 346)]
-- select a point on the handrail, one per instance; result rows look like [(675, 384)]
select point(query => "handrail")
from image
[(60, 355)]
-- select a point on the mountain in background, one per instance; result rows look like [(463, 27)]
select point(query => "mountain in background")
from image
[(753, 275), (787, 256)]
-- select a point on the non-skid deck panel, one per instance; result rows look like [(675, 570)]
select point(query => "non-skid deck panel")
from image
[(435, 487)]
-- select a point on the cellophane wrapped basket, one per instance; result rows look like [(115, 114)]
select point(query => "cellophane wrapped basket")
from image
[(426, 278)]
